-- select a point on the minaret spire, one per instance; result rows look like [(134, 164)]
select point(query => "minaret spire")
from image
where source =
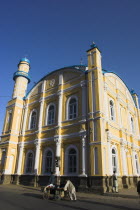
[(21, 78)]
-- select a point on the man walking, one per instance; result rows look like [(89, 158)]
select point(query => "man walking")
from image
[(71, 190), (115, 182)]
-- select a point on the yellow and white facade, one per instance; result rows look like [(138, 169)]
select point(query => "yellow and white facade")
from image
[(79, 122)]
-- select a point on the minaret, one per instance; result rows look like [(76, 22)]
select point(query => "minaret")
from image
[(95, 106), (94, 57), (21, 78), (95, 77), (12, 124)]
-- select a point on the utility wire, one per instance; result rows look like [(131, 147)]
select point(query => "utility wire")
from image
[(5, 96)]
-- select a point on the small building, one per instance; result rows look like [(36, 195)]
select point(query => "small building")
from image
[(79, 122)]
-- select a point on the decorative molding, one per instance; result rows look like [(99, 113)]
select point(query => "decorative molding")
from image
[(95, 68), (13, 105), (41, 100), (83, 83), (52, 82), (84, 141), (37, 143), (57, 139), (72, 87), (108, 136), (21, 144), (59, 93), (8, 142), (98, 143), (105, 86)]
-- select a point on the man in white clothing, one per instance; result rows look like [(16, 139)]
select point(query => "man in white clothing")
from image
[(71, 190)]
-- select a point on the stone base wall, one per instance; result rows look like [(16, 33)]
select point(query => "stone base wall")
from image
[(5, 179), (95, 184)]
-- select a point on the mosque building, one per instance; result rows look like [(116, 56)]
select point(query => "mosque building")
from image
[(78, 122)]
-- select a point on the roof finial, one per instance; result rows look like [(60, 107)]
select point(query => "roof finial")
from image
[(132, 91), (81, 61), (93, 45), (26, 56)]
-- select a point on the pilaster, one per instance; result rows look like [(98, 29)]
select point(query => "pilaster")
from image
[(37, 156), (25, 118), (83, 138), (20, 158)]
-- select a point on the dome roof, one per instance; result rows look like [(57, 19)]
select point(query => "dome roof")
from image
[(24, 59)]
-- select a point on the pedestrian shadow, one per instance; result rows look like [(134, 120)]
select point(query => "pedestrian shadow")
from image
[(39, 196), (107, 204)]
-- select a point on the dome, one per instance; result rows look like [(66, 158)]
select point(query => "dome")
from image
[(25, 59)]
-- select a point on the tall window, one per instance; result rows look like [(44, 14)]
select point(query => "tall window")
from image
[(72, 109), (95, 160), (33, 120), (9, 120), (136, 162), (132, 125), (48, 162), (51, 115), (3, 158), (112, 114), (114, 160), (29, 162), (72, 161)]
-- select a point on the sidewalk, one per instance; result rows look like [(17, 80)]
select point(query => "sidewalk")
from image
[(124, 193)]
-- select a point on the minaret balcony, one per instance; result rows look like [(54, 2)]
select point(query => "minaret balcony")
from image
[(21, 74)]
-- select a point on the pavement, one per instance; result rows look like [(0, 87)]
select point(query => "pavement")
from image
[(123, 193), (19, 197)]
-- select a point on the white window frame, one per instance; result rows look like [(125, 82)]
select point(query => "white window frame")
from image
[(25, 170), (132, 129), (47, 115), (30, 119), (44, 160), (66, 161), (8, 119), (112, 110), (68, 108), (136, 164), (116, 157)]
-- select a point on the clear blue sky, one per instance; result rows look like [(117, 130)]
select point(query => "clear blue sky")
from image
[(56, 33)]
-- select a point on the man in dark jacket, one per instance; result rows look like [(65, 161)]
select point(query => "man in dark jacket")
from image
[(52, 179)]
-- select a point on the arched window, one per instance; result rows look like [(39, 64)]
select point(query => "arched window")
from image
[(51, 115), (72, 161), (48, 165), (112, 114), (136, 162), (72, 108), (29, 162), (114, 160), (33, 120), (132, 125)]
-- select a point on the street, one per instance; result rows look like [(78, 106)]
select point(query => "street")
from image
[(14, 197)]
